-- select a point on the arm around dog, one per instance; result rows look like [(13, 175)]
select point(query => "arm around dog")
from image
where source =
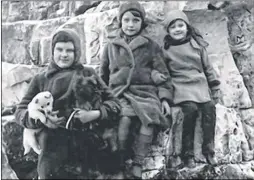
[(110, 107), (21, 114)]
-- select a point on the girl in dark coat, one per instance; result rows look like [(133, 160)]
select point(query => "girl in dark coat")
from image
[(194, 81), (59, 79), (126, 67)]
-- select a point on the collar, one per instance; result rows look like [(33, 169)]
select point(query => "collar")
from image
[(134, 44), (53, 68)]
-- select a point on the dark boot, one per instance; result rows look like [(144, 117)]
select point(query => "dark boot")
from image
[(211, 159), (190, 162), (141, 149), (175, 162)]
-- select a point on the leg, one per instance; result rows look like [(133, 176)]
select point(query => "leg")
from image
[(190, 111), (123, 132), (109, 135), (30, 141), (53, 155), (208, 126), (141, 149)]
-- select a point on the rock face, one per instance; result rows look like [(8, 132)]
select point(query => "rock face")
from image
[(7, 171), (24, 166), (241, 39), (15, 80), (230, 33), (42, 10), (231, 171)]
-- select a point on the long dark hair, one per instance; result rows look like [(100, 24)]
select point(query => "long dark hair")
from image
[(191, 33)]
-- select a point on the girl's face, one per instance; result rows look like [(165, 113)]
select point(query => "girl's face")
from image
[(178, 30), (64, 55), (131, 24)]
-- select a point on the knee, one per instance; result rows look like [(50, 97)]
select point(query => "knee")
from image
[(209, 106), (189, 108), (146, 130), (124, 123)]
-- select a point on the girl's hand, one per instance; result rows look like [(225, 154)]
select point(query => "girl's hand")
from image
[(87, 116), (216, 94), (166, 110), (53, 121)]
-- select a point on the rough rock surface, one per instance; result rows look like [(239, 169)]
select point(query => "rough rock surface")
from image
[(15, 80), (41, 10), (202, 171), (241, 39), (24, 166), (7, 171), (248, 126)]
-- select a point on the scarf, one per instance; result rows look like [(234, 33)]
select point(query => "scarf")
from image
[(192, 33), (53, 68)]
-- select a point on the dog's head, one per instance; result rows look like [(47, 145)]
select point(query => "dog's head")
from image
[(44, 102), (85, 87)]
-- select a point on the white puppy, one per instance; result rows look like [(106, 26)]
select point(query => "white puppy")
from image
[(41, 106), (42, 102)]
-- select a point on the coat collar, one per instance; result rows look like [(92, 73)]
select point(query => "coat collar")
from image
[(134, 44)]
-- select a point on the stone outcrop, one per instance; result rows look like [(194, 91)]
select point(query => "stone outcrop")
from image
[(15, 81), (230, 33), (7, 171), (42, 10), (24, 166), (231, 171), (241, 39)]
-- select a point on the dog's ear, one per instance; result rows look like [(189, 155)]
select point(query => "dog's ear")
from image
[(47, 97), (36, 101)]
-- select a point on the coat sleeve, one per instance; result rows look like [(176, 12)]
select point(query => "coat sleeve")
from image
[(104, 65), (21, 113), (212, 77), (166, 88), (110, 108)]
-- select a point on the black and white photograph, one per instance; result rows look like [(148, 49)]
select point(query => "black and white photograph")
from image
[(127, 89)]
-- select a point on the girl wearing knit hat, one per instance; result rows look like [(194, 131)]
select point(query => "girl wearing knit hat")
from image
[(194, 80), (59, 144), (126, 66)]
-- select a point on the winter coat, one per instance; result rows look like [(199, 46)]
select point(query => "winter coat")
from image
[(191, 71), (59, 84), (126, 69)]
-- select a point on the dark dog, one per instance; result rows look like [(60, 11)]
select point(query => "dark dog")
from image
[(88, 96)]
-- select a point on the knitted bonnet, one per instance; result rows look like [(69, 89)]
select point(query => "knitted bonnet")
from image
[(73, 35), (173, 15), (136, 6)]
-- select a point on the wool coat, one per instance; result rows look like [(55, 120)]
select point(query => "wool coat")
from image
[(126, 69), (192, 73)]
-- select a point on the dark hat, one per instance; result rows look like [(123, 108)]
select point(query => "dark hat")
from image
[(173, 15), (73, 35), (136, 6)]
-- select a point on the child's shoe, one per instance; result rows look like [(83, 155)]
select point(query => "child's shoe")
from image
[(190, 162), (211, 159), (175, 162)]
